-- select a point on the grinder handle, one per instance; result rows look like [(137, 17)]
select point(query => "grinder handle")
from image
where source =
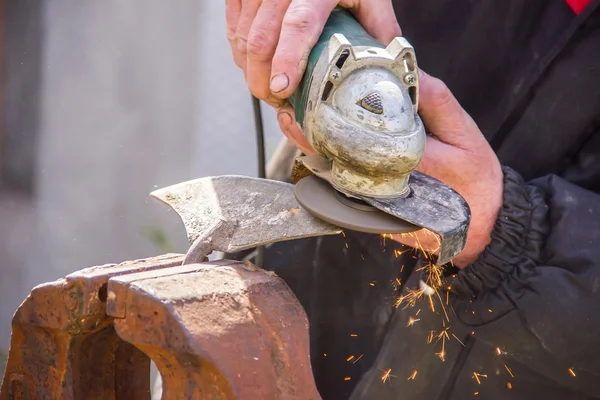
[(340, 21)]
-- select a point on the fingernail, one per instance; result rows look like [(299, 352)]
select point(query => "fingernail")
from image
[(241, 44), (279, 83), (285, 119)]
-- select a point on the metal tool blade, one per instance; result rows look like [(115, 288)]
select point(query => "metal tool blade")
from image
[(232, 213), (430, 204)]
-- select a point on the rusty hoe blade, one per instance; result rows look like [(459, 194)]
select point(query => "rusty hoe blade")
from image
[(231, 213)]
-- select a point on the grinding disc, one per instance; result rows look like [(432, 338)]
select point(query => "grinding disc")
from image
[(320, 199)]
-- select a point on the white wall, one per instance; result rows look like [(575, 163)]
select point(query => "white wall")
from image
[(135, 95)]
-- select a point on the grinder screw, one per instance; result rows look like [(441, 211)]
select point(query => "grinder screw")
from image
[(410, 79)]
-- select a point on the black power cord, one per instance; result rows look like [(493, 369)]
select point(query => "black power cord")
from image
[(262, 161)]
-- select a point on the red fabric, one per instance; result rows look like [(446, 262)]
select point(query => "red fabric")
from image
[(578, 5)]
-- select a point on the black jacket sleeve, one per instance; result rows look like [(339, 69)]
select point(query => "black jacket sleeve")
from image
[(535, 291)]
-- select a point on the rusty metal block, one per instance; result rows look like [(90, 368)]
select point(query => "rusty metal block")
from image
[(64, 346), (215, 331)]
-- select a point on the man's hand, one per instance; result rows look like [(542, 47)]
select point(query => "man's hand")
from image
[(271, 41), (457, 154)]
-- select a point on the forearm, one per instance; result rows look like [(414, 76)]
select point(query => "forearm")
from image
[(535, 290)]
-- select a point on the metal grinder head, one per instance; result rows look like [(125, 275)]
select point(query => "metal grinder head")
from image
[(360, 115)]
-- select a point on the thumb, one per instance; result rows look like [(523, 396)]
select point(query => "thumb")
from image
[(378, 18), (289, 127), (443, 115)]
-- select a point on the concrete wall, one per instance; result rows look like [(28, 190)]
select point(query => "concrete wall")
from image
[(133, 95)]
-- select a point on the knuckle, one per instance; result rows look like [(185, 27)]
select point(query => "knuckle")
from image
[(301, 18), (261, 44), (231, 33), (443, 96)]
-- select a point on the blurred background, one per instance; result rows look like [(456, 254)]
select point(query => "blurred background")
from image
[(102, 102)]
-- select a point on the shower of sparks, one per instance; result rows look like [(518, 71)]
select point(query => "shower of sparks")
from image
[(358, 358), (509, 371), (387, 375), (477, 376), (349, 358), (411, 321), (572, 372)]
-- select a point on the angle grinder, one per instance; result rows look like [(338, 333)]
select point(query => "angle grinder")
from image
[(357, 106)]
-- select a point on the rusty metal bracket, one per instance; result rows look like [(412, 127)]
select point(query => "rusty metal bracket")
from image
[(220, 330)]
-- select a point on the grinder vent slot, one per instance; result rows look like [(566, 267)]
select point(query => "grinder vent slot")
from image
[(412, 92), (343, 57), (327, 91)]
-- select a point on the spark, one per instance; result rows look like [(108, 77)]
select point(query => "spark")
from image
[(359, 357), (324, 354), (442, 336), (349, 358), (489, 310), (402, 268), (431, 303), (509, 385), (353, 334), (430, 337), (387, 375), (476, 376), (412, 376), (346, 245), (361, 256), (398, 253), (347, 378), (458, 340), (443, 308), (572, 372), (343, 234), (397, 283), (476, 393), (411, 297), (418, 312), (447, 296), (500, 352), (372, 283), (411, 321), (509, 371)]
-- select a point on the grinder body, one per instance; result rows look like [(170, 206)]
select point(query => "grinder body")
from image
[(357, 106)]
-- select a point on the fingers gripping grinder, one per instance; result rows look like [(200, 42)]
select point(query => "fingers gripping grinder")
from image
[(357, 106)]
